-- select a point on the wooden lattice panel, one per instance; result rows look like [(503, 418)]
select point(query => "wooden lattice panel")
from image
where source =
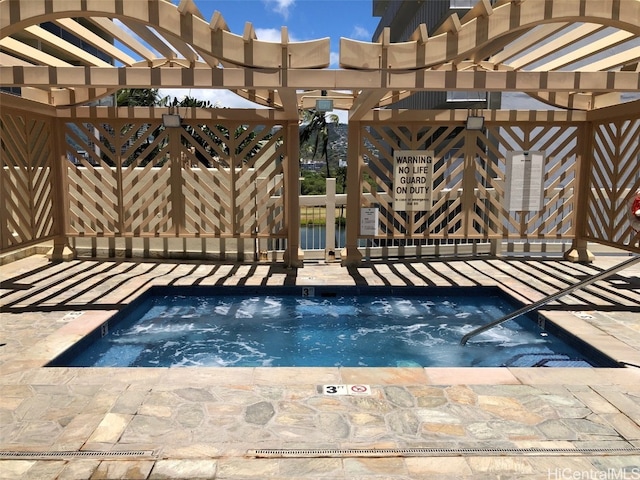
[(143, 180), (472, 161), (232, 168), (614, 176), (25, 179), (147, 194), (92, 179), (258, 180), (560, 147), (444, 218), (207, 181)]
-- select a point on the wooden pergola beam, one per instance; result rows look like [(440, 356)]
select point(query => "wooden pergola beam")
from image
[(237, 78)]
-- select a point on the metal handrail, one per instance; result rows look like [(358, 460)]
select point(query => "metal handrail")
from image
[(551, 298)]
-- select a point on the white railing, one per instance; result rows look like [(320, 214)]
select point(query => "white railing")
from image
[(323, 234)]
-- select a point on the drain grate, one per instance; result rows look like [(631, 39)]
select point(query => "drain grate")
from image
[(76, 454), (437, 452)]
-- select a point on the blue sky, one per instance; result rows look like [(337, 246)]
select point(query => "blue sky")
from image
[(304, 19)]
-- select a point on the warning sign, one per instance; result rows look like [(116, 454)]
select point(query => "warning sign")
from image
[(359, 390), (412, 180)]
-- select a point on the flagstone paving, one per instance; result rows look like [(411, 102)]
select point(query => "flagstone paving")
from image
[(194, 423)]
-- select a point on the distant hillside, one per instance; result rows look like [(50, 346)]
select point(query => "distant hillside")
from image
[(337, 145)]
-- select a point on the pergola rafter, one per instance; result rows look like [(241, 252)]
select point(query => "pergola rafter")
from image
[(520, 36)]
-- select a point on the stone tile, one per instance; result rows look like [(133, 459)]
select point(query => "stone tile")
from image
[(576, 376), (629, 465), (110, 428), (46, 470), (296, 376), (501, 465), (383, 376), (187, 469), (129, 402), (595, 402), (626, 427), (443, 429), (207, 376), (619, 399), (564, 467), (194, 450), (433, 466), (375, 466), (507, 408), (37, 434), (470, 376), (79, 469), (310, 467), (12, 469), (78, 430), (247, 468), (461, 394), (129, 469)]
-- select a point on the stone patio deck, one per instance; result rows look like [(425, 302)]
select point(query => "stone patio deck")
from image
[(196, 423)]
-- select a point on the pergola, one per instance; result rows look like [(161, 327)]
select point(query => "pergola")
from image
[(579, 56)]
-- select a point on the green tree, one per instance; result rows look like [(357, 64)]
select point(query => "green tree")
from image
[(315, 130), (206, 136), (313, 183), (140, 97)]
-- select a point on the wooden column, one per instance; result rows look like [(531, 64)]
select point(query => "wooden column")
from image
[(293, 257), (579, 251), (353, 256), (177, 195), (61, 250), (330, 221), (468, 200)]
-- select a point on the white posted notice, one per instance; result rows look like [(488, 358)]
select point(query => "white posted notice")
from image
[(369, 221), (413, 180), (524, 189)]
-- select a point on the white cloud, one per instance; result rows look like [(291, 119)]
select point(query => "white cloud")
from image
[(227, 99), (334, 59), (281, 6), (272, 35), (218, 98), (343, 115), (360, 33)]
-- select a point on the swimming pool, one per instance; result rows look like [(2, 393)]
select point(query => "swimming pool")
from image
[(324, 326)]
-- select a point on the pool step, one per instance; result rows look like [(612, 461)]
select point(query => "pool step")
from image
[(545, 360)]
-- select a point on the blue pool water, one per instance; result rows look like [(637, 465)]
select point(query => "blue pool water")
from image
[(347, 326)]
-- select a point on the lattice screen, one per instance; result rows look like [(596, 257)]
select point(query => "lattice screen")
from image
[(144, 180), (614, 176), (26, 190), (469, 180)]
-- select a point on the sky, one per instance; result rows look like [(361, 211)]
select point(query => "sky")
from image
[(304, 19)]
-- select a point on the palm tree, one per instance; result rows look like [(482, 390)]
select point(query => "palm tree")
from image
[(205, 136), (314, 125), (140, 97)]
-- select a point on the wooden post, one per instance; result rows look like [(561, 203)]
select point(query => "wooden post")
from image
[(177, 196), (330, 221), (579, 251), (61, 250), (293, 256), (468, 199), (353, 256)]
